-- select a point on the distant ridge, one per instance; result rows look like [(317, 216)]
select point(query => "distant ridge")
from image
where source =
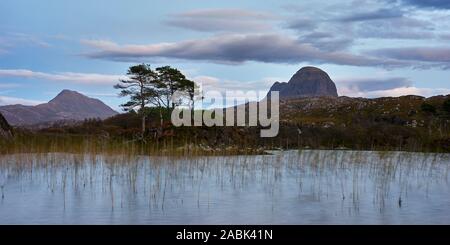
[(307, 82), (67, 105)]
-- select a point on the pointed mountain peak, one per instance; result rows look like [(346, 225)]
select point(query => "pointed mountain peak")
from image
[(67, 95), (67, 91), (67, 105)]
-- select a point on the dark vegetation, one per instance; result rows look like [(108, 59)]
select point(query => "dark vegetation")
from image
[(145, 86), (403, 123), (408, 123), (5, 128)]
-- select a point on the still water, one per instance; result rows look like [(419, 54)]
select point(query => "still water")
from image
[(289, 187)]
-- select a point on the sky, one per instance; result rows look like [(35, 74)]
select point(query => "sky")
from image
[(370, 48)]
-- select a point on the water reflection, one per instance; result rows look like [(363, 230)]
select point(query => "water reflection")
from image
[(291, 187)]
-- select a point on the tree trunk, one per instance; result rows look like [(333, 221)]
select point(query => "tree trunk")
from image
[(161, 117), (143, 125), (143, 109)]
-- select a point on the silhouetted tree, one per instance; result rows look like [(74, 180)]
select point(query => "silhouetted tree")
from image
[(140, 87), (172, 80), (146, 86), (193, 93)]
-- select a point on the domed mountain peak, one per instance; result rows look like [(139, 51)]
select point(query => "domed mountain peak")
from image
[(309, 81)]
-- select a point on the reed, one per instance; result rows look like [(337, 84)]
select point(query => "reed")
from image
[(93, 144), (344, 175)]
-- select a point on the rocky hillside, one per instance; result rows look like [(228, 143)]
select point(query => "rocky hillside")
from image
[(5, 128), (413, 111), (410, 123), (67, 105), (395, 123), (307, 82)]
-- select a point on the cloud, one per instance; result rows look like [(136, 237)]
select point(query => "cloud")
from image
[(82, 78), (425, 92), (327, 41), (11, 40), (302, 24), (365, 87), (356, 85), (445, 36), (210, 83), (436, 4), (350, 23), (439, 55), (233, 49), (30, 39), (9, 85), (215, 20), (397, 28), (5, 100), (384, 87), (372, 15), (233, 91), (206, 81), (94, 94)]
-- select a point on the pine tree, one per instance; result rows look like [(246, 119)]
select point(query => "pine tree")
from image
[(140, 87)]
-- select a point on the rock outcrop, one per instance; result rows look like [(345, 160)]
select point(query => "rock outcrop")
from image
[(5, 128), (307, 82)]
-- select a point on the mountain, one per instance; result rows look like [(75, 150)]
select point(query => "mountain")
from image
[(307, 82), (67, 105)]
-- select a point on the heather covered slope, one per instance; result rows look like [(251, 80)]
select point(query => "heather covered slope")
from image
[(401, 123), (409, 123), (5, 128)]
